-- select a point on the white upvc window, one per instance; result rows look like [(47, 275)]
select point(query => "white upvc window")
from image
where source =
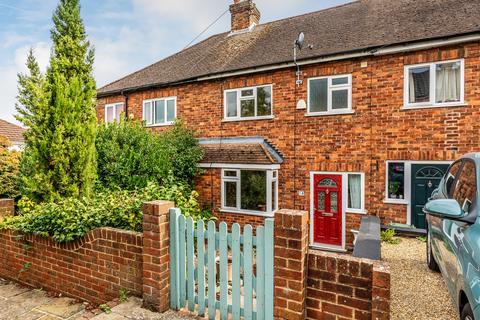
[(250, 191), (355, 192), (113, 112), (435, 84), (330, 95), (248, 103), (160, 112)]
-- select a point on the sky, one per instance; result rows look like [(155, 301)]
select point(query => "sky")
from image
[(127, 34)]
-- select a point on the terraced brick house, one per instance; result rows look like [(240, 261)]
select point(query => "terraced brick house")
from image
[(388, 97)]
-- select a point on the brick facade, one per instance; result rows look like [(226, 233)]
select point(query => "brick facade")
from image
[(379, 129), (7, 208)]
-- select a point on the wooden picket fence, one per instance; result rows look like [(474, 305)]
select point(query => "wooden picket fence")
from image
[(200, 270)]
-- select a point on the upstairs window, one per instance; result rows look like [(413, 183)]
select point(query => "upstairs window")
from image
[(248, 103), (159, 112), (113, 112), (434, 84), (330, 95)]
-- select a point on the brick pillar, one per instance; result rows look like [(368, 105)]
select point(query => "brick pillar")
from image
[(291, 248), (380, 292), (6, 208), (156, 257)]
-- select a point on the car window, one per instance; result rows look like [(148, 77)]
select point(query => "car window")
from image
[(450, 177), (466, 186)]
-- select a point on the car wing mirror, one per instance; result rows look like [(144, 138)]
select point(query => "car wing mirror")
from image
[(444, 208)]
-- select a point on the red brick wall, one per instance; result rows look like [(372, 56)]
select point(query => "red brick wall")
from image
[(93, 268), (6, 207), (378, 131), (344, 287)]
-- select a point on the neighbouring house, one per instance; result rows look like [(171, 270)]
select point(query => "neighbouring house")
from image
[(388, 97), (13, 133)]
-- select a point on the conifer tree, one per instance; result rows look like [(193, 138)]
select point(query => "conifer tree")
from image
[(59, 111)]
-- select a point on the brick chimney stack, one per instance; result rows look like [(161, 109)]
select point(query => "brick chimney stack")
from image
[(244, 15)]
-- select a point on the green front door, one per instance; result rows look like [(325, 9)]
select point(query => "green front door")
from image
[(425, 179)]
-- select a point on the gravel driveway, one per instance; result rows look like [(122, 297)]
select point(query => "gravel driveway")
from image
[(416, 292)]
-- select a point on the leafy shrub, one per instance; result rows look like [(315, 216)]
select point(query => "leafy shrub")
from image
[(9, 169), (130, 156), (388, 236), (72, 218)]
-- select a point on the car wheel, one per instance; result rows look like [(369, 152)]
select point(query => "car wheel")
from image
[(431, 263), (467, 313)]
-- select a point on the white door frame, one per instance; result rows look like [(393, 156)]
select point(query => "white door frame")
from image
[(344, 176)]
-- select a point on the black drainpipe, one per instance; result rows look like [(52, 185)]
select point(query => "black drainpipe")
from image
[(126, 104)]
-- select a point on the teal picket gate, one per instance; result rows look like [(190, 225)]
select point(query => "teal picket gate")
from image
[(221, 274)]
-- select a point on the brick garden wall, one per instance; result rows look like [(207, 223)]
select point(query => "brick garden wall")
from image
[(6, 208), (93, 268), (346, 287)]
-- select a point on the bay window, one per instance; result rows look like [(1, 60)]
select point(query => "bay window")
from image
[(434, 84), (159, 111), (250, 190), (248, 103)]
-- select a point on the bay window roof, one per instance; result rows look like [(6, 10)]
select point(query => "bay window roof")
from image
[(244, 150)]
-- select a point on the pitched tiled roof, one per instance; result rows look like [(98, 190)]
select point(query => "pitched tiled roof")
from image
[(358, 26), (248, 150), (11, 131)]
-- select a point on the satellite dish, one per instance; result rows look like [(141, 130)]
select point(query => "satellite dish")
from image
[(300, 41)]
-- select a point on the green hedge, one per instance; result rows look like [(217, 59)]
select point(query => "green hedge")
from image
[(130, 156), (72, 218)]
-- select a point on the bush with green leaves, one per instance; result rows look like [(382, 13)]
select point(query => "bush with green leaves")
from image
[(130, 156), (388, 236), (71, 218)]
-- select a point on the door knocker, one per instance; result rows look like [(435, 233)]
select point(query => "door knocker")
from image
[(327, 191), (430, 184)]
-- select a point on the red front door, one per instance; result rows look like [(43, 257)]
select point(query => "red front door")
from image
[(327, 212)]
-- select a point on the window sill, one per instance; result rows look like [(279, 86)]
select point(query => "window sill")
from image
[(248, 213), (159, 125), (356, 211), (431, 106), (248, 119), (396, 201), (333, 113)]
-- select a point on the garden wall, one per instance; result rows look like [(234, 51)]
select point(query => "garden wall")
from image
[(93, 268)]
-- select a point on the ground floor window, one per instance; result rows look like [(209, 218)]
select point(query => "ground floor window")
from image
[(355, 191), (396, 180), (250, 190)]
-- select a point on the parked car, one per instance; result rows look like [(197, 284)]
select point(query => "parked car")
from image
[(453, 234)]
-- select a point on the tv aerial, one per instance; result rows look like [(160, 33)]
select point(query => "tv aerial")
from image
[(298, 46)]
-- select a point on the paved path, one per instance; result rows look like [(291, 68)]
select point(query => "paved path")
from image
[(416, 292), (21, 303)]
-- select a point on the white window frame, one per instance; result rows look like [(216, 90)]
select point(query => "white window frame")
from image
[(114, 106), (270, 178), (433, 79), (405, 199), (240, 98), (362, 198), (152, 101), (330, 89)]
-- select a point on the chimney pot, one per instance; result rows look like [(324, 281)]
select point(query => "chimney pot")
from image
[(244, 15)]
